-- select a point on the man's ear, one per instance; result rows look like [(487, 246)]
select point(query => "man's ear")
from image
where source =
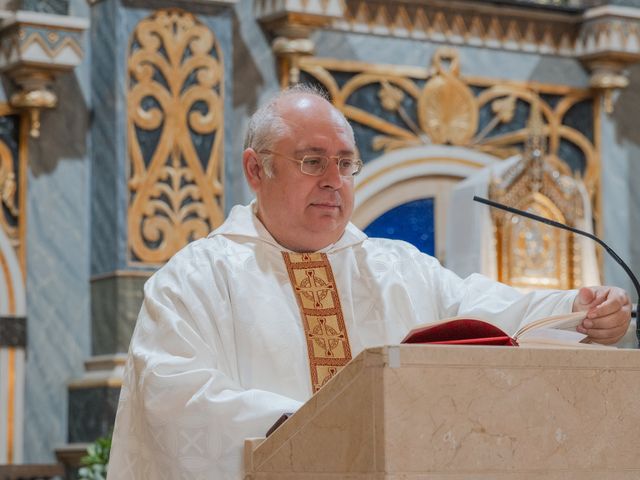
[(253, 170)]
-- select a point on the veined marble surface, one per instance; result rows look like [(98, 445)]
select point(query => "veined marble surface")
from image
[(57, 301), (433, 411)]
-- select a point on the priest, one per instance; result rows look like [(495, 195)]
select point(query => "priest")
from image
[(248, 323)]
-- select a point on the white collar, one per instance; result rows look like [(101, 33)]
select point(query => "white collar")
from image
[(243, 222)]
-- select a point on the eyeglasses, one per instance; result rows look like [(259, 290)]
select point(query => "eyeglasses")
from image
[(317, 164)]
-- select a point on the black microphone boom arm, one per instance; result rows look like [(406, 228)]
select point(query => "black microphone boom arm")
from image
[(553, 223)]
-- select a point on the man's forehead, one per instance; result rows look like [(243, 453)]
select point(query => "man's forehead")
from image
[(299, 107), (313, 123), (303, 103)]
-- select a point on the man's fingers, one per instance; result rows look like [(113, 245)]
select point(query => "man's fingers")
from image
[(585, 297), (608, 328), (608, 313), (606, 336), (609, 306), (614, 319)]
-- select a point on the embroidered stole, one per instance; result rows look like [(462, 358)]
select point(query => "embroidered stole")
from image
[(315, 291)]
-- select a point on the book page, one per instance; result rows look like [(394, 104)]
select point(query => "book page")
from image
[(551, 335), (567, 321), (553, 338)]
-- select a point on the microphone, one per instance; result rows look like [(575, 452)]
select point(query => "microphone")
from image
[(553, 223)]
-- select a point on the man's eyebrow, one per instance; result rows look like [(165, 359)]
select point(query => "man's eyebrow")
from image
[(322, 151)]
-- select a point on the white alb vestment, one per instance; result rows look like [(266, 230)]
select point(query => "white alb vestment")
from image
[(219, 350)]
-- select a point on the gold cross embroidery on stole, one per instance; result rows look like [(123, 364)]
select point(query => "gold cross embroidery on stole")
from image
[(325, 331)]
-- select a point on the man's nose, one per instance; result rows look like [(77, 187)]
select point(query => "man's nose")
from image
[(331, 177)]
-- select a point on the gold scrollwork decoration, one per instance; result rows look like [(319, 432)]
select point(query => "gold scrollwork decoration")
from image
[(530, 255), (447, 110), (175, 93), (534, 257), (8, 189)]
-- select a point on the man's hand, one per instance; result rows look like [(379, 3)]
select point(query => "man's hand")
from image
[(608, 313)]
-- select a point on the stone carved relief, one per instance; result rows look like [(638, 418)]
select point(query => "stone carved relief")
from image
[(474, 23), (175, 115)]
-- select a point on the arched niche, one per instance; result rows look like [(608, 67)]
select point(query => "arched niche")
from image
[(406, 175)]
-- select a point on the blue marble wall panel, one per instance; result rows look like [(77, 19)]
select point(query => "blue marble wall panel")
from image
[(92, 412), (412, 222), (108, 134), (57, 297), (115, 303)]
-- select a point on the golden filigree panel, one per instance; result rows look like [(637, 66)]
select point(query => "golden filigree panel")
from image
[(13, 165), (175, 110), (8, 190), (531, 254), (436, 105), (395, 107)]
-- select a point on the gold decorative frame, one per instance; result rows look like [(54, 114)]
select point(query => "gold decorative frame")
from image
[(176, 89), (13, 186), (531, 255), (13, 194), (446, 109)]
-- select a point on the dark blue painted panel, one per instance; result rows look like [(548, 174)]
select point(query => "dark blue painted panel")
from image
[(413, 222)]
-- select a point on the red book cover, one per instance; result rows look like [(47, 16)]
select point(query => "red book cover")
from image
[(460, 331)]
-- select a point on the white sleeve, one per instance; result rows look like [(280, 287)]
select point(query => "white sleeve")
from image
[(182, 411), (505, 306)]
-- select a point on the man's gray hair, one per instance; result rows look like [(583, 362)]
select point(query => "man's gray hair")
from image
[(266, 125)]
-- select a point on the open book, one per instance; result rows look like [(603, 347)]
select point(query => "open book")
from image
[(555, 331)]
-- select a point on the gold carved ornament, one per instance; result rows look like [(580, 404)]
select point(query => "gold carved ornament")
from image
[(444, 110), (175, 88), (13, 187), (531, 254), (8, 189), (447, 111)]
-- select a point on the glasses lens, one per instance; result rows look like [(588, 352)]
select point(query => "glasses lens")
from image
[(349, 166), (313, 164)]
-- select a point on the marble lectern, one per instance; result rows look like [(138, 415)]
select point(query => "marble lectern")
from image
[(441, 412)]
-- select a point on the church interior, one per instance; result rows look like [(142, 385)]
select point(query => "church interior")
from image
[(121, 138)]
